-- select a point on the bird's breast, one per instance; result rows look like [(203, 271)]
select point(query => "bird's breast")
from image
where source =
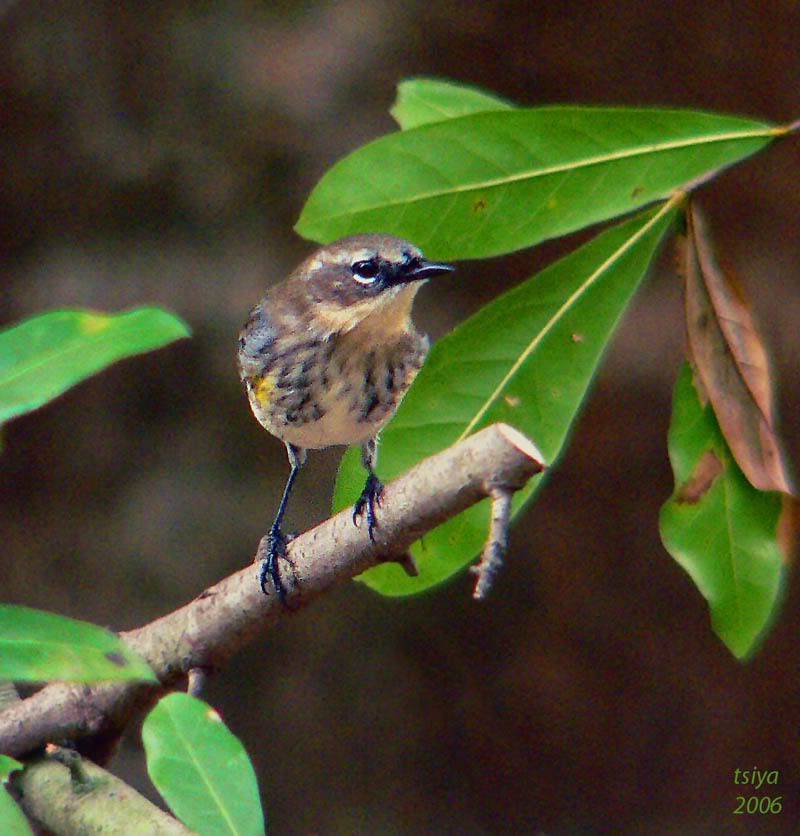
[(339, 391)]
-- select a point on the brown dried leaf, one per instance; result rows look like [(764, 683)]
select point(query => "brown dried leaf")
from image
[(788, 528), (703, 477), (730, 360)]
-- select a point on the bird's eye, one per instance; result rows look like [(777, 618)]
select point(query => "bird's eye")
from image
[(366, 271), (410, 262)]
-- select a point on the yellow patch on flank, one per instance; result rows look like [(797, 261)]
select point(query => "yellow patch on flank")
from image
[(264, 389)]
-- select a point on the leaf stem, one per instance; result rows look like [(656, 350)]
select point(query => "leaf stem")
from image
[(791, 128)]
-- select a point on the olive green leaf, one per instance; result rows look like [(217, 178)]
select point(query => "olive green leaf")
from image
[(7, 766), (498, 181), (725, 533), (12, 819), (527, 358), (37, 646), (43, 356), (423, 100), (200, 768)]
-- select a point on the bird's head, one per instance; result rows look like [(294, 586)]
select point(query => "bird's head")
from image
[(365, 277)]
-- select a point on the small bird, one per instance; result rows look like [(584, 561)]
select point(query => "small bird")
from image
[(327, 356)]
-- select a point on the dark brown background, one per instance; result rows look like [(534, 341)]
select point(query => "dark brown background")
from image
[(160, 153)]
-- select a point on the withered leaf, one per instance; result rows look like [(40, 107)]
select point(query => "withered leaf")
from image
[(731, 361), (707, 470), (788, 528)]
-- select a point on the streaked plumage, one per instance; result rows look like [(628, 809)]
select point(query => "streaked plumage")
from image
[(328, 354)]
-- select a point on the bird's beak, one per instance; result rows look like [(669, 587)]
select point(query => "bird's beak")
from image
[(429, 269)]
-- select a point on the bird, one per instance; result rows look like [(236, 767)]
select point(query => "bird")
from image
[(327, 356)]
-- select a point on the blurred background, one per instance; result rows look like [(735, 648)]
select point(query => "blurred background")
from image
[(160, 153)]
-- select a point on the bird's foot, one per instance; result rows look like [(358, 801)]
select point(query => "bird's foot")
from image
[(272, 547), (365, 504)]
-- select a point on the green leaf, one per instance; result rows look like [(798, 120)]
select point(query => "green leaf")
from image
[(12, 820), (7, 766), (38, 646), (719, 528), (200, 768), (494, 182), (527, 358), (43, 356), (423, 100)]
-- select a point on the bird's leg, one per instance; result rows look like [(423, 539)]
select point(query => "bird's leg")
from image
[(371, 495), (276, 539)]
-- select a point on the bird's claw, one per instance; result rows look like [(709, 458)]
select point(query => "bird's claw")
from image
[(274, 544), (370, 497)]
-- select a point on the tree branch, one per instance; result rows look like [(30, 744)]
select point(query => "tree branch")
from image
[(100, 803), (496, 543), (207, 631)]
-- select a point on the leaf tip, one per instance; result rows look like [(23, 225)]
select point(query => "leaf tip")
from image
[(181, 328), (791, 128)]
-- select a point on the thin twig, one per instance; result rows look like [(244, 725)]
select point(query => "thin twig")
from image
[(407, 563), (197, 682), (71, 758), (496, 546)]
